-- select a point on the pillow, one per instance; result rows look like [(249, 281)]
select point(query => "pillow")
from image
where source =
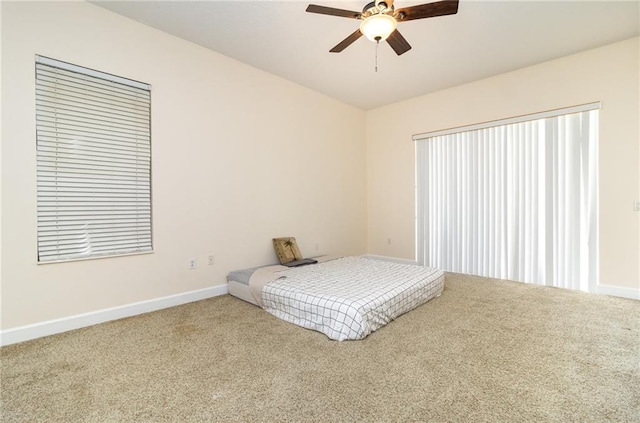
[(286, 249)]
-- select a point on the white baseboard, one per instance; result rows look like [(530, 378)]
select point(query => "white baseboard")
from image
[(619, 291), (51, 327), (392, 259)]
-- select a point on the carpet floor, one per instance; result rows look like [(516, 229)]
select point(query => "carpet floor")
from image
[(484, 351)]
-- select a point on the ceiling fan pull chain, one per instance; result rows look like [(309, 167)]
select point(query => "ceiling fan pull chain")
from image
[(377, 44)]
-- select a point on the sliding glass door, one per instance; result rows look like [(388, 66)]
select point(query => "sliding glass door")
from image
[(515, 199)]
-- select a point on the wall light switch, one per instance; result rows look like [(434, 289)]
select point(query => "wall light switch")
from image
[(636, 205)]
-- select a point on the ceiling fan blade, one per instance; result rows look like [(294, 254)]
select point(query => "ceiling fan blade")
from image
[(398, 43), (429, 10), (323, 10), (346, 42)]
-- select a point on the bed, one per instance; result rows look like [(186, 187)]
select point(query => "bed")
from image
[(342, 297)]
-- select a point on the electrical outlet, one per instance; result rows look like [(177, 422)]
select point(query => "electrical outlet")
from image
[(636, 205), (192, 263), (212, 260)]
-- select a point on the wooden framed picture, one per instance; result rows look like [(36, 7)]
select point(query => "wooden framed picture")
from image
[(287, 249)]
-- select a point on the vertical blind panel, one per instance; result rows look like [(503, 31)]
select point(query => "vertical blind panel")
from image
[(94, 164), (516, 201)]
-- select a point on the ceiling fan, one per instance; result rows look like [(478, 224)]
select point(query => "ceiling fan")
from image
[(380, 18)]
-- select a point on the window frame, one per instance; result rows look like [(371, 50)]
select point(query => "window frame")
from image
[(99, 186)]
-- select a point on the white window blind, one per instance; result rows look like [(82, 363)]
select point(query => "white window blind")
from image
[(514, 199), (93, 163)]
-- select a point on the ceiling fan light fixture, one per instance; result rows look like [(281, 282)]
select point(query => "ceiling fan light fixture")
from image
[(378, 27)]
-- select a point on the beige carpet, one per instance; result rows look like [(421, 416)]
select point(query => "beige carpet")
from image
[(485, 350)]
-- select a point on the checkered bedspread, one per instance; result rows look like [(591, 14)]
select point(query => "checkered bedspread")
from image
[(350, 297)]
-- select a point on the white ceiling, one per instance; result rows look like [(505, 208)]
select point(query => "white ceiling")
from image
[(484, 38)]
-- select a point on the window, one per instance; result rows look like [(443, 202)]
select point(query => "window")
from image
[(514, 199), (93, 141)]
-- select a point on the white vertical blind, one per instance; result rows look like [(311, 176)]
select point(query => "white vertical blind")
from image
[(515, 200), (93, 163)]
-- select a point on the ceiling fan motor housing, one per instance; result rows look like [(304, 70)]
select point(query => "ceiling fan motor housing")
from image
[(386, 4), (377, 7)]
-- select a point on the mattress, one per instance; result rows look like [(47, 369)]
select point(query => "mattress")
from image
[(345, 298), (243, 276), (238, 283), (238, 280)]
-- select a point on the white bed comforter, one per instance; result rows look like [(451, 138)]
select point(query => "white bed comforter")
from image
[(349, 297)]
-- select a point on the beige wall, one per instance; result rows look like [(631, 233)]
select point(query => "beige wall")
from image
[(609, 74), (239, 157)]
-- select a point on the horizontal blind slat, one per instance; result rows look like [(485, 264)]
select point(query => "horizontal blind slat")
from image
[(51, 235), (70, 95), (56, 82), (56, 152), (78, 76), (106, 140), (90, 128), (62, 162), (91, 106), (71, 225), (102, 117), (141, 149), (48, 176), (114, 239), (85, 252)]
